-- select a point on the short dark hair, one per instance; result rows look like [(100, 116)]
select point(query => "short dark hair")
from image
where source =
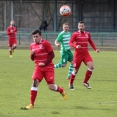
[(81, 22), (35, 32), (66, 23)]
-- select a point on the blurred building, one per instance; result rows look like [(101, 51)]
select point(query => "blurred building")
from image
[(98, 15)]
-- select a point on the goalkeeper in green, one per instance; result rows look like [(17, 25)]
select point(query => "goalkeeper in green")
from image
[(65, 52)]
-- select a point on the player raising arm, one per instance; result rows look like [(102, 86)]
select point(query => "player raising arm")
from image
[(79, 40), (42, 54)]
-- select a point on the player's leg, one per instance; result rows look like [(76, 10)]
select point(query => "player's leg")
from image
[(70, 59), (37, 77), (62, 62), (58, 65), (72, 78), (33, 93), (10, 48), (89, 63), (10, 51), (14, 45), (49, 77), (70, 71), (59, 89), (76, 64)]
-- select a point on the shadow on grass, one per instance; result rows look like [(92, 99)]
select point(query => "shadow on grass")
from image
[(105, 80), (92, 108), (55, 112)]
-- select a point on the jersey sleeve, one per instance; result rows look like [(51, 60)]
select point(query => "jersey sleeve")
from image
[(48, 46), (92, 43), (31, 55), (59, 38), (15, 29), (72, 40), (8, 31), (30, 47), (50, 51)]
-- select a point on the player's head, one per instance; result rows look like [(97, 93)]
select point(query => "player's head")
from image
[(65, 26), (36, 34), (12, 23), (81, 26)]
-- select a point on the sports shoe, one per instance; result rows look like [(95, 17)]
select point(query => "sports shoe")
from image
[(87, 85), (64, 95), (11, 56), (71, 87), (28, 107)]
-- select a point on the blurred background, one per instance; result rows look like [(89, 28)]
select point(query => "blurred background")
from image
[(100, 17)]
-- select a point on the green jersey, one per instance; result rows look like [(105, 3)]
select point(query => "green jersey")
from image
[(64, 38)]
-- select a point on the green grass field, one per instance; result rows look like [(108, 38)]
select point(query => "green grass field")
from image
[(15, 83)]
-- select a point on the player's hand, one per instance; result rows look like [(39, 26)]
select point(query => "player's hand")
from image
[(11, 31), (32, 51), (58, 45), (97, 50), (41, 64), (78, 46)]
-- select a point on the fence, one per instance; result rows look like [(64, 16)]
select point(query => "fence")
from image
[(100, 39)]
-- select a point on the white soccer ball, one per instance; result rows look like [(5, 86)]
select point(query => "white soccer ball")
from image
[(65, 10)]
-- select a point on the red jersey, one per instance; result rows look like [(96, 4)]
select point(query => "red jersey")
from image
[(11, 32), (82, 39), (41, 51)]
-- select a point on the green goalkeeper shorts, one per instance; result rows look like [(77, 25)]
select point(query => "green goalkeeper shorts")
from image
[(66, 56)]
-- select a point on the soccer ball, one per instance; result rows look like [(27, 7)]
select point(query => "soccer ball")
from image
[(65, 10)]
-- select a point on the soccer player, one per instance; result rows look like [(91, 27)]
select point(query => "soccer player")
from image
[(65, 52), (42, 54), (12, 42), (79, 40)]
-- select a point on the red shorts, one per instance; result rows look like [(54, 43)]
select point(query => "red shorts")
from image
[(41, 73), (11, 42), (79, 58)]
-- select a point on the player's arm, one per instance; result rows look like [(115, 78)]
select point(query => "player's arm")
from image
[(58, 40), (57, 43), (72, 41), (15, 29), (51, 55), (92, 44), (8, 31), (31, 54)]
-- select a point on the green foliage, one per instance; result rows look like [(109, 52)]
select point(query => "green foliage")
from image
[(15, 83)]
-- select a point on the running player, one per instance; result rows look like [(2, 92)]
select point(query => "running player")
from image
[(65, 52), (12, 41), (42, 54), (79, 40)]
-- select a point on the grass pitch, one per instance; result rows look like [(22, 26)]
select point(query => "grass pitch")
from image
[(15, 83)]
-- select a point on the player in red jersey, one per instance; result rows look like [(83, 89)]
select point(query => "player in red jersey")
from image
[(79, 40), (11, 32), (42, 54)]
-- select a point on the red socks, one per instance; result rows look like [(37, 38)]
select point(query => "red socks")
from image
[(10, 52), (72, 77), (59, 89), (87, 76), (33, 95)]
